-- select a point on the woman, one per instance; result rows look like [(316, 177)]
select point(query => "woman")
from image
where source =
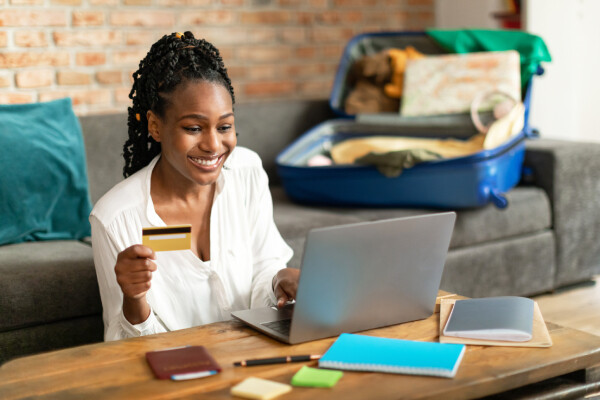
[(182, 167)]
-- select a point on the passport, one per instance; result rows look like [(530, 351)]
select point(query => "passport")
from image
[(492, 318), (180, 363)]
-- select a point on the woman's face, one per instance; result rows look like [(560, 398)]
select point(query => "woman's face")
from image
[(197, 132)]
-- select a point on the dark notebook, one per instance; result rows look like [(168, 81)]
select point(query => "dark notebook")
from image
[(188, 362), (492, 318)]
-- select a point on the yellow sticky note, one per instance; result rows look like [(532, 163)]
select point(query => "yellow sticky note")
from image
[(168, 238), (257, 388)]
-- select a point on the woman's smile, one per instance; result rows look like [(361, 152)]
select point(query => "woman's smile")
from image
[(207, 163)]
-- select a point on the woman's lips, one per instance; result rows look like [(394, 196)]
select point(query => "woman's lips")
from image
[(206, 162)]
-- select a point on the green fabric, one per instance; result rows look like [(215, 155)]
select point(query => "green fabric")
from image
[(314, 377), (43, 183), (531, 48), (391, 164)]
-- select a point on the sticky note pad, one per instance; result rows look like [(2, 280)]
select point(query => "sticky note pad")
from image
[(168, 238), (257, 388), (314, 377)]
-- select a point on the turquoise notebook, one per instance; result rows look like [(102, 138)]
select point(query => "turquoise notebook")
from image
[(377, 354)]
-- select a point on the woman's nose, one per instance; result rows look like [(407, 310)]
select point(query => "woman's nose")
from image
[(209, 141)]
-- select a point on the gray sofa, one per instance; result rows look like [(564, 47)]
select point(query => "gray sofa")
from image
[(546, 238)]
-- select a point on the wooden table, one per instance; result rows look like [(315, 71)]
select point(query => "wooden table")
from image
[(117, 370)]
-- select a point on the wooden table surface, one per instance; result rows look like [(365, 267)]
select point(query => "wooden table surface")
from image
[(118, 369)]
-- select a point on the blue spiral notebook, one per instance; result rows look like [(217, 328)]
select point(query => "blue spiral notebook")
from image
[(377, 354)]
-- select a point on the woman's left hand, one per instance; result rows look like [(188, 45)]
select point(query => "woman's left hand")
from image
[(285, 283)]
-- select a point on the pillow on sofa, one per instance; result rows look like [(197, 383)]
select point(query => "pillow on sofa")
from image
[(43, 178)]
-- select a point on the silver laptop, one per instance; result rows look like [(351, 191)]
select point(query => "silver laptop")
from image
[(362, 276)]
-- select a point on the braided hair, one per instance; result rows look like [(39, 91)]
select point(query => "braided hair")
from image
[(173, 59)]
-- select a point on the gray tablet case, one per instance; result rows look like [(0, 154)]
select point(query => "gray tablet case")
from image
[(499, 318)]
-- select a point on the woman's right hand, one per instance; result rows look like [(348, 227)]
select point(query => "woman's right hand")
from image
[(134, 270)]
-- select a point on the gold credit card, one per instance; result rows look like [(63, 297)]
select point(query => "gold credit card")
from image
[(168, 238)]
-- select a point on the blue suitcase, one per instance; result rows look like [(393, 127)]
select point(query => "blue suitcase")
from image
[(457, 183)]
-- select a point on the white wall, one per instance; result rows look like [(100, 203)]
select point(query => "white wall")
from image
[(566, 99)]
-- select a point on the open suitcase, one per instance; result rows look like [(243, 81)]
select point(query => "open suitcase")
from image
[(464, 182)]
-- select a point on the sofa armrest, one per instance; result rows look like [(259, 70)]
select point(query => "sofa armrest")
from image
[(569, 172)]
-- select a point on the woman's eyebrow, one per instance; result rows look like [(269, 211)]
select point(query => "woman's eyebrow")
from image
[(193, 116), (200, 116)]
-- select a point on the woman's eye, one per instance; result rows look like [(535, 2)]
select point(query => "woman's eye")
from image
[(225, 128), (193, 129)]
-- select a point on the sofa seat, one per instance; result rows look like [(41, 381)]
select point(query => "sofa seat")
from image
[(516, 240), (529, 212), (517, 266), (45, 282)]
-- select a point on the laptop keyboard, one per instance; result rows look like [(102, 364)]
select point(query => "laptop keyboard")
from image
[(282, 326)]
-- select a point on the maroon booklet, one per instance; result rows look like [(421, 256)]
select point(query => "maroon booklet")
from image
[(188, 362)]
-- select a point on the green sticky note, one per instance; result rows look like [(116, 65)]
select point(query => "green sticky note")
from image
[(314, 377)]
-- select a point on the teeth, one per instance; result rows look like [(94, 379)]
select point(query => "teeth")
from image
[(203, 161)]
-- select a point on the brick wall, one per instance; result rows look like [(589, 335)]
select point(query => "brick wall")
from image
[(274, 49)]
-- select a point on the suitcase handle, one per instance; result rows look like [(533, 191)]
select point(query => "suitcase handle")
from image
[(531, 133), (498, 199)]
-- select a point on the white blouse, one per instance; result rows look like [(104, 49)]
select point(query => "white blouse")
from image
[(245, 246)]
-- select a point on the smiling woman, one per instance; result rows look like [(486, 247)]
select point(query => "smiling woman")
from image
[(196, 133), (174, 58), (182, 167)]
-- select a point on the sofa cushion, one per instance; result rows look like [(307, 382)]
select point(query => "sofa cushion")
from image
[(528, 212), (45, 282), (44, 184), (570, 172), (518, 266), (51, 336), (294, 221), (104, 137)]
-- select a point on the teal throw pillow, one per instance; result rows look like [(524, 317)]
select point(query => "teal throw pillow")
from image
[(43, 178)]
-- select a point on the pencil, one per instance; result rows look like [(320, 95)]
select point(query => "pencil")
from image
[(276, 360)]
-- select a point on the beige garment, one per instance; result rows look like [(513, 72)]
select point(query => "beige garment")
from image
[(506, 127), (349, 150)]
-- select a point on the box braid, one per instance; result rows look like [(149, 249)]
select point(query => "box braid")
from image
[(173, 59)]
